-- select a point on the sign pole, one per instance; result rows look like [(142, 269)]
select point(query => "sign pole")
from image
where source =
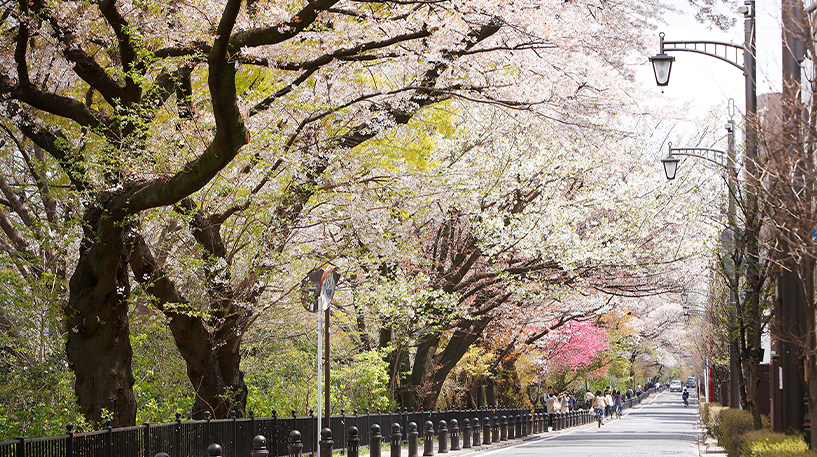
[(318, 396)]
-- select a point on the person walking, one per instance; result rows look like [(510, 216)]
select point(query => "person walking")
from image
[(608, 399), (618, 403), (588, 400)]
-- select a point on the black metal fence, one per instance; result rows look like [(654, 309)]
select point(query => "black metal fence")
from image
[(191, 438)]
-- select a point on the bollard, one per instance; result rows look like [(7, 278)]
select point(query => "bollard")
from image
[(259, 447), (455, 435), (503, 428), (527, 425), (214, 450), (412, 440), (428, 439), (295, 446), (512, 426), (495, 429), (477, 428), (395, 437), (353, 442), (516, 427), (327, 444), (466, 433), (375, 438), (486, 430), (442, 437)]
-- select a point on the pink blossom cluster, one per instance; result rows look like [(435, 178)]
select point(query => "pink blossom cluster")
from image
[(573, 346)]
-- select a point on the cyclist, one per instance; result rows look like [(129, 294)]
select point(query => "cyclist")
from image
[(685, 396), (598, 405)]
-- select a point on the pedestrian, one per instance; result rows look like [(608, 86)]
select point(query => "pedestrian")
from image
[(629, 393), (618, 403), (599, 405), (554, 404), (588, 400), (608, 400)]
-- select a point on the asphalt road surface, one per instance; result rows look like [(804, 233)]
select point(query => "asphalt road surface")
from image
[(662, 427)]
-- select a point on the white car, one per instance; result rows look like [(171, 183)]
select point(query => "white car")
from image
[(675, 386)]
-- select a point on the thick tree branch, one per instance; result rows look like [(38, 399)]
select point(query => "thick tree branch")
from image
[(281, 32), (127, 51)]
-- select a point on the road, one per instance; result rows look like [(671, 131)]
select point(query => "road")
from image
[(662, 427)]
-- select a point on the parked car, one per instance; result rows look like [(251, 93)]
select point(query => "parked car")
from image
[(675, 386)]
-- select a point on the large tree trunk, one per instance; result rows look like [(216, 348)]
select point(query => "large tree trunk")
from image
[(98, 341), (431, 368), (212, 357)]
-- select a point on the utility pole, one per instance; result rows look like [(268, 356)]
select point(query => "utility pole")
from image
[(789, 306)]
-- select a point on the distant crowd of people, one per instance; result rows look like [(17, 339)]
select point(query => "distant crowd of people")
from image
[(607, 403)]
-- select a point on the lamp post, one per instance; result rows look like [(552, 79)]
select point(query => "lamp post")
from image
[(731, 54), (698, 310), (725, 159)]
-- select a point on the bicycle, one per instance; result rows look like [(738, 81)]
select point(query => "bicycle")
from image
[(599, 417), (618, 411)]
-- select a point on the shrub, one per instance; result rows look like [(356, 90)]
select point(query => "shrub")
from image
[(732, 424), (790, 454), (765, 443), (709, 416)]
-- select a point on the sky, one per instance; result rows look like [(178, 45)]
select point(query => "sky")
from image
[(703, 81)]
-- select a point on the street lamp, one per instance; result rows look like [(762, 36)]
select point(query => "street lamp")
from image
[(662, 65)]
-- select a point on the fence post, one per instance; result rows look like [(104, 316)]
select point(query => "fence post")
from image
[(395, 436), (374, 441), (455, 435), (327, 444), (259, 447), (412, 439), (508, 428), (214, 450), (476, 428), (108, 438), (353, 442), (295, 445), (146, 439), (466, 433), (177, 437), (486, 430), (20, 450), (69, 440), (428, 439), (207, 427)]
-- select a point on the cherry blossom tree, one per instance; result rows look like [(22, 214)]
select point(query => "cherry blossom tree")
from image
[(571, 352), (218, 151)]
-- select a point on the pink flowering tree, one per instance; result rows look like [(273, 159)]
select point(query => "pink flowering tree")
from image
[(572, 352)]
